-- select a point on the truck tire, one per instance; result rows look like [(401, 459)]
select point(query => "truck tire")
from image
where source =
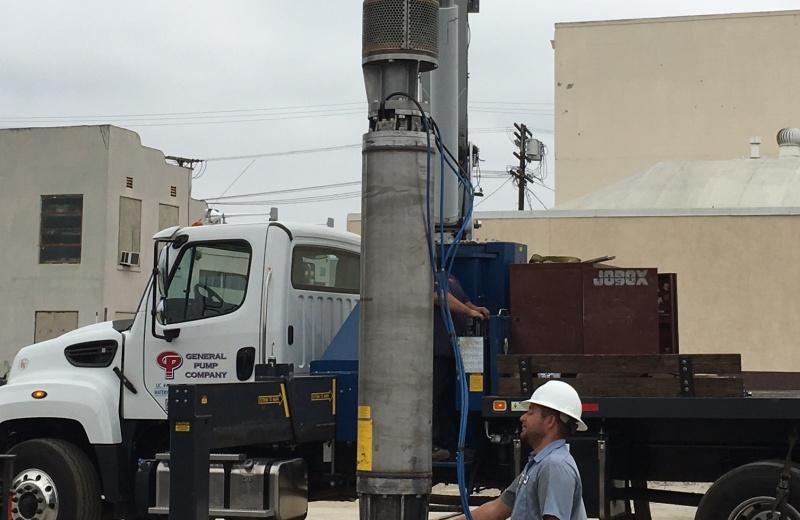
[(748, 492), (55, 480)]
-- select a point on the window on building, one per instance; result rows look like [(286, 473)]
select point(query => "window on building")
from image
[(326, 269), (60, 230), (167, 216), (130, 230), (52, 324), (209, 280)]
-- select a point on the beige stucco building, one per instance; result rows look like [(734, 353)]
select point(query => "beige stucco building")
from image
[(632, 93), (79, 205), (738, 290)]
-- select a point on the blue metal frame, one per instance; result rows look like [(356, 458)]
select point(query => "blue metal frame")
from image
[(483, 272)]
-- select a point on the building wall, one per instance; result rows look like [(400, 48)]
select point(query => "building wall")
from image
[(632, 93), (93, 161), (36, 162), (153, 180), (737, 286)]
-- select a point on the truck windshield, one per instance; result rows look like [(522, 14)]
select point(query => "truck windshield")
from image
[(209, 280), (327, 269)]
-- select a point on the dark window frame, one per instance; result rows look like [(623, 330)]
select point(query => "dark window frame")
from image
[(52, 236)]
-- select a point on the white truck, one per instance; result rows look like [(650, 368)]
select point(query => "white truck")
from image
[(82, 412)]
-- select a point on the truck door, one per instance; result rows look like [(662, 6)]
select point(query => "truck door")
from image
[(313, 285), (213, 298)]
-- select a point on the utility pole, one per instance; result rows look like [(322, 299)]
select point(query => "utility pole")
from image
[(521, 137)]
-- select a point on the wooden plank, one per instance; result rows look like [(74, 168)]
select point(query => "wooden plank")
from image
[(635, 386), (633, 364)]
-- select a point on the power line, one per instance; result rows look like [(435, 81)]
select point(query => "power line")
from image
[(126, 116), (535, 197), (509, 103), (215, 120), (512, 111), (298, 113), (298, 200), (180, 115), (134, 124), (237, 178), (497, 174), (138, 123), (326, 149), (203, 166), (290, 190), (234, 116), (492, 193), (490, 130), (290, 152)]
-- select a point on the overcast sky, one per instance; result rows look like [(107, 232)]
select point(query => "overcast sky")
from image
[(211, 80)]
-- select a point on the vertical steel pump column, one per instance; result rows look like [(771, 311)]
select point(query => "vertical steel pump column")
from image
[(395, 352), (395, 379), (444, 108)]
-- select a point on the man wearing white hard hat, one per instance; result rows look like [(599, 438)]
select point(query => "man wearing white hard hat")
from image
[(549, 488)]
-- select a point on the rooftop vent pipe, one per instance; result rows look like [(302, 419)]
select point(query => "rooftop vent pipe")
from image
[(789, 142), (755, 147)]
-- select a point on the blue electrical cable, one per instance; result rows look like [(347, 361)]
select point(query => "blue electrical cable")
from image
[(446, 261), (441, 270), (428, 235), (440, 274)]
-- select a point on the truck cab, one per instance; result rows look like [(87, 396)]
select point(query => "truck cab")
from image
[(223, 299), (227, 303)]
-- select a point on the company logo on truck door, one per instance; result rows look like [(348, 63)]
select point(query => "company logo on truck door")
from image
[(621, 277), (203, 366), (170, 362)]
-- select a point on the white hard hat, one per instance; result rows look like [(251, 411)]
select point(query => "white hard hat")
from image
[(558, 396)]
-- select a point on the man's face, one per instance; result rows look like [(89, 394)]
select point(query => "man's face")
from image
[(534, 425)]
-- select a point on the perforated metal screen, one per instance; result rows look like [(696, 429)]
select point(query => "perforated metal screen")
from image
[(400, 26)]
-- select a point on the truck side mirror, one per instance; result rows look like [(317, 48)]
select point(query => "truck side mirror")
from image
[(160, 316), (161, 312), (158, 307), (163, 272)]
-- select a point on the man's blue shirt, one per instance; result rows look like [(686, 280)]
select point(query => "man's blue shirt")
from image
[(550, 484)]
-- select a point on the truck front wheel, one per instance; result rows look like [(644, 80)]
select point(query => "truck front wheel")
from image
[(748, 493), (54, 480)]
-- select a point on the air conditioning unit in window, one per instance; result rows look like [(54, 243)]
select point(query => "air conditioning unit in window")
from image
[(129, 258)]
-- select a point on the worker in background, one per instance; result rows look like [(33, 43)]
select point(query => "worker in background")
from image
[(549, 487), (445, 418)]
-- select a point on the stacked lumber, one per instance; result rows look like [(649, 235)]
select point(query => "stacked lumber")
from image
[(625, 375)]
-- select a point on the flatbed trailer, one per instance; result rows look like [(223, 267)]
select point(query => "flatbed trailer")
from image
[(740, 443)]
